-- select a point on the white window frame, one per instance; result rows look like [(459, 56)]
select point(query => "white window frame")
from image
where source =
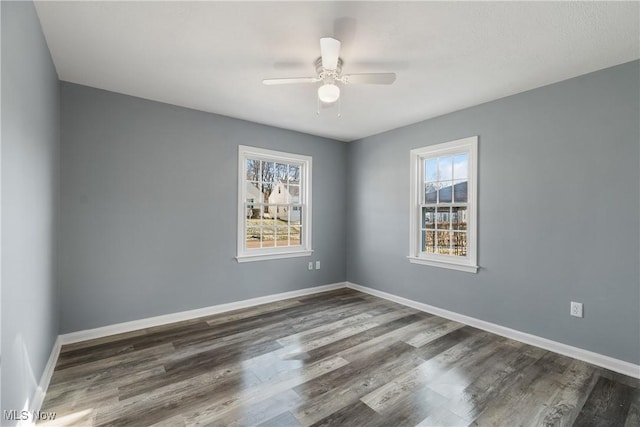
[(469, 262), (258, 254)]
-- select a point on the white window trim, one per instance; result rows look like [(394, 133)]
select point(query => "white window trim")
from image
[(244, 255), (468, 263)]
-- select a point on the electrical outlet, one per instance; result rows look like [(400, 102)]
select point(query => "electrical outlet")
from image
[(317, 265), (310, 265), (576, 309)]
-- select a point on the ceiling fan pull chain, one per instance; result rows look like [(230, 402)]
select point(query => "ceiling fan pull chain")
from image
[(339, 107), (317, 106)]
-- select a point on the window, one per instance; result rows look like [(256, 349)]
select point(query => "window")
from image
[(274, 204), (443, 210)]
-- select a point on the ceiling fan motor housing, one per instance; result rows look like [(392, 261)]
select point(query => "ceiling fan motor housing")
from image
[(328, 76)]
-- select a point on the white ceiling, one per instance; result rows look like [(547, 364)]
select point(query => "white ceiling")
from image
[(212, 56)]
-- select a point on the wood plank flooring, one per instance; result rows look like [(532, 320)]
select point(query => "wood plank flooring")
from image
[(339, 358)]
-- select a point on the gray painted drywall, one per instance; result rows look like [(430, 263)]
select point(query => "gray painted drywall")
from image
[(30, 147), (558, 212), (148, 210)]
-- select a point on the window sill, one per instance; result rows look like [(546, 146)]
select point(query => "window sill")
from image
[(264, 257), (433, 263)]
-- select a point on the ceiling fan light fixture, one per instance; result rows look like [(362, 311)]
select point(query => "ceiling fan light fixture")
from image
[(329, 72), (328, 93)]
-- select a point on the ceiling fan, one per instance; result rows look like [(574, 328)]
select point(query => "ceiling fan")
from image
[(329, 73)]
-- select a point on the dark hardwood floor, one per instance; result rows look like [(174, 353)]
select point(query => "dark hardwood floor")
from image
[(339, 358)]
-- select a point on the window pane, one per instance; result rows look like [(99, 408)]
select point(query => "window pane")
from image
[(253, 170), (430, 170), (268, 237), (295, 226), (294, 174), (444, 242), (282, 236), (295, 217), (268, 171), (252, 192), (267, 178), (459, 218), (460, 191), (296, 235), (267, 189), (431, 192), (428, 217), (460, 166), (281, 172), (280, 213), (253, 214), (253, 237), (252, 189), (443, 218), (445, 168), (293, 194), (278, 194), (444, 195), (428, 241), (459, 244)]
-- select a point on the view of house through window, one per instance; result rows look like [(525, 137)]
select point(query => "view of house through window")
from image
[(273, 208), (274, 204), (444, 212)]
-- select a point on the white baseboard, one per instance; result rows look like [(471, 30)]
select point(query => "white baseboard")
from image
[(43, 385), (597, 359), (607, 362), (149, 322), (118, 328)]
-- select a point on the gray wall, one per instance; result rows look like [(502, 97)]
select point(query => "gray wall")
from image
[(30, 143), (149, 210), (558, 212)]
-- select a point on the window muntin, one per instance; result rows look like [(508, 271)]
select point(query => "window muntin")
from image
[(443, 213), (274, 209)]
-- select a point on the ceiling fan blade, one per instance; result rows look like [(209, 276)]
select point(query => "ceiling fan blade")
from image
[(292, 80), (330, 50), (371, 78)]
